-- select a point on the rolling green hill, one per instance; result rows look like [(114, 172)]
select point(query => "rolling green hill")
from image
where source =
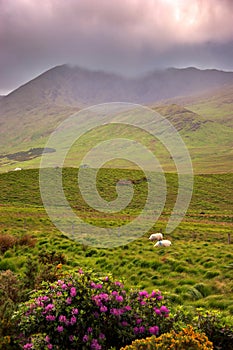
[(196, 269), (214, 156)]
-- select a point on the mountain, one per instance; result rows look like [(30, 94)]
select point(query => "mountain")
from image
[(65, 85), (30, 113)]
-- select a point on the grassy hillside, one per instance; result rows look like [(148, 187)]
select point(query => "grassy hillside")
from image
[(196, 269), (215, 105), (209, 142)]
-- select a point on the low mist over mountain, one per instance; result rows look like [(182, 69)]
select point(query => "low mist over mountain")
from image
[(65, 85), (198, 103)]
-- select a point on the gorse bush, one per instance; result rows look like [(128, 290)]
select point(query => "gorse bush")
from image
[(86, 312), (187, 339)]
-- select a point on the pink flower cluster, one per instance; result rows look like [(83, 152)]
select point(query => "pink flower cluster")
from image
[(80, 312)]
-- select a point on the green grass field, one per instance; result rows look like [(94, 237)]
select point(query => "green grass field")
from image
[(195, 270)]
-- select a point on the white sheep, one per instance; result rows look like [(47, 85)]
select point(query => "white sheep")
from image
[(163, 243), (156, 237)]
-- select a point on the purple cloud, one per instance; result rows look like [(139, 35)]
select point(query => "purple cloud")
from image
[(129, 36)]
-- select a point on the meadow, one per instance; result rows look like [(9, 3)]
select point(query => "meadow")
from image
[(196, 270)]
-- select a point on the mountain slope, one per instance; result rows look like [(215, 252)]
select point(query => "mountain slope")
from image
[(29, 114), (65, 85), (215, 105)]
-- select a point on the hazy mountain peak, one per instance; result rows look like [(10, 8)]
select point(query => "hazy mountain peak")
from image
[(68, 85)]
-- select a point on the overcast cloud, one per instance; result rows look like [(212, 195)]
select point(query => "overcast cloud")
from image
[(127, 36)]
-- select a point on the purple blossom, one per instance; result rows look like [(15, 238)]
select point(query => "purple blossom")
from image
[(154, 330), (43, 298), (62, 318), (73, 320), (128, 308), (68, 300), (85, 338), (73, 291), (49, 346), (103, 308), (28, 346), (138, 320), (95, 345), (164, 309), (103, 296), (50, 318), (97, 300), (49, 307), (75, 311), (80, 271), (89, 330), (157, 311), (40, 304), (96, 314), (47, 339), (115, 292), (101, 336), (119, 298), (92, 284), (71, 338), (124, 323), (153, 294), (119, 284), (141, 329), (143, 293), (60, 329), (136, 330), (64, 286), (116, 312), (96, 286), (60, 282)]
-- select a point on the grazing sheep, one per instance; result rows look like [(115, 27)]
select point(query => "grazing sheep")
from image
[(163, 243), (156, 237), (17, 169)]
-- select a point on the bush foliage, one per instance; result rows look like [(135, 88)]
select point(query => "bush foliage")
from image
[(83, 312)]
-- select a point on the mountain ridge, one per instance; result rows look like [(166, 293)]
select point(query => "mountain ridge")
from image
[(31, 113), (84, 87)]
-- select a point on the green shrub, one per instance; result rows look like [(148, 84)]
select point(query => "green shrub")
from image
[(216, 328), (86, 311), (9, 296), (5, 264)]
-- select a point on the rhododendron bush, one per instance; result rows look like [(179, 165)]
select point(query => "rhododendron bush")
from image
[(86, 312)]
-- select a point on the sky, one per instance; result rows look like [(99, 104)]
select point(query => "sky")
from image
[(129, 37)]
